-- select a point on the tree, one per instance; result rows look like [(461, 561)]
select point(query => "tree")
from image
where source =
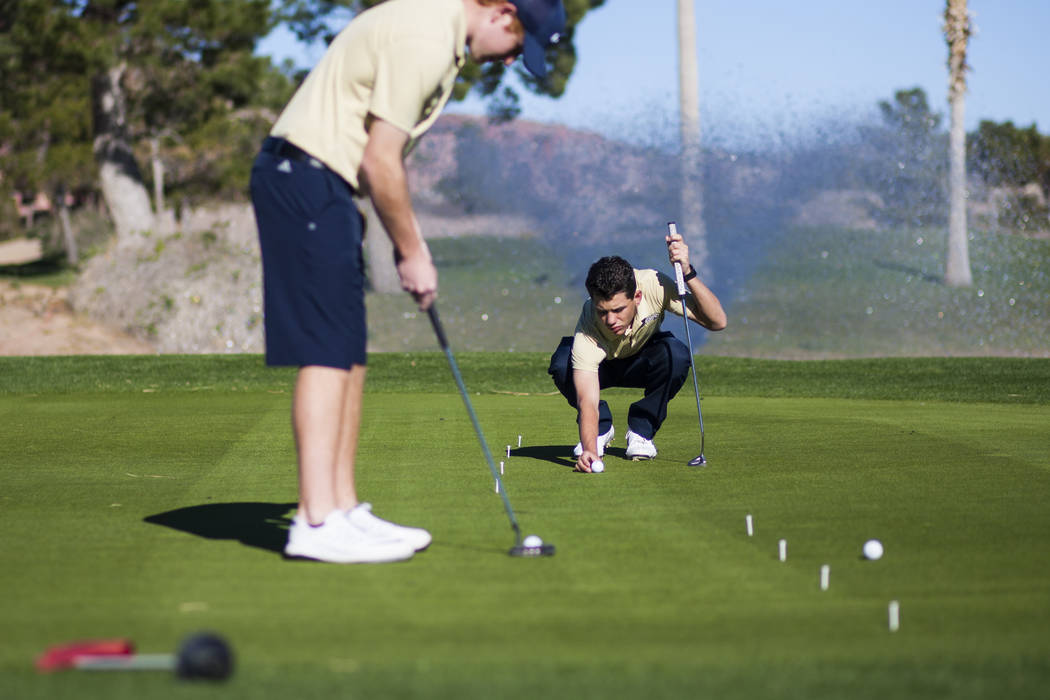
[(45, 127), (957, 30), (145, 69), (691, 199), (1013, 159), (909, 164)]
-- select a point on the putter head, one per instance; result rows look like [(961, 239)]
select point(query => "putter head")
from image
[(698, 461), (204, 656), (543, 549)]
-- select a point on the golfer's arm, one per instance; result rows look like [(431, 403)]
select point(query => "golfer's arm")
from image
[(587, 393), (383, 174), (704, 307)]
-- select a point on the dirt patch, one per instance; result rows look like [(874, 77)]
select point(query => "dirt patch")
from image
[(20, 251), (38, 320)]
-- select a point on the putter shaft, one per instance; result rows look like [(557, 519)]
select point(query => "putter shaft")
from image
[(439, 330), (699, 460)]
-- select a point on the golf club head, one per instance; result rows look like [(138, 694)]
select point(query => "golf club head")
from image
[(698, 461), (204, 656), (520, 550)]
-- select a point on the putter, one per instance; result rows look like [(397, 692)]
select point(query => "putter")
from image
[(203, 656), (699, 460), (531, 546)]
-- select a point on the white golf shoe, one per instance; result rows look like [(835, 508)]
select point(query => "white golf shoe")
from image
[(338, 541), (603, 442), (362, 518), (639, 448)]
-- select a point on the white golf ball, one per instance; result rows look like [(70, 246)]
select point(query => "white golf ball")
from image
[(597, 466), (532, 541), (873, 550)]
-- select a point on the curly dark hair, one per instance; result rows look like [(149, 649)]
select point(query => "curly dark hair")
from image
[(610, 275)]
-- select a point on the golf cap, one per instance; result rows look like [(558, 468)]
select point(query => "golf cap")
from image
[(544, 21)]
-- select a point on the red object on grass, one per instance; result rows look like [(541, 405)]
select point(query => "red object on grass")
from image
[(63, 656)]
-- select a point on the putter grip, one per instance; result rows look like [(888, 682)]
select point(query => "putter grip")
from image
[(439, 330), (678, 278)]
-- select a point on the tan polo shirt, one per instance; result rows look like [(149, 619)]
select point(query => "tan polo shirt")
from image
[(594, 342), (396, 61)]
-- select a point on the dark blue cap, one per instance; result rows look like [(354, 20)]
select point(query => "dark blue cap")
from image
[(544, 22)]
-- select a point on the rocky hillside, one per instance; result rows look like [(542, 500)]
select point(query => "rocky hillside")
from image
[(195, 285)]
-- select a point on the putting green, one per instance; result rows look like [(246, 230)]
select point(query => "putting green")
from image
[(154, 515)]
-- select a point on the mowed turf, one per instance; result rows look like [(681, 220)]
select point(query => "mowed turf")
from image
[(153, 511)]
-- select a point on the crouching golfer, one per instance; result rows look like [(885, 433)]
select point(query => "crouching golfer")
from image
[(618, 343), (380, 85)]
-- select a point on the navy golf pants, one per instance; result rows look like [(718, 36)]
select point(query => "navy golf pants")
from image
[(660, 368)]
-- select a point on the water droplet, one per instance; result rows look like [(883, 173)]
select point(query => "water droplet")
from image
[(1012, 301), (980, 292), (824, 254), (919, 240), (484, 317), (869, 311), (557, 300)]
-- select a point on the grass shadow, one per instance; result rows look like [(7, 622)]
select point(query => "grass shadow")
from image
[(262, 525), (53, 264), (914, 272), (555, 454), (560, 455)]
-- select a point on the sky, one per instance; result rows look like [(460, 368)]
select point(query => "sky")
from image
[(772, 70)]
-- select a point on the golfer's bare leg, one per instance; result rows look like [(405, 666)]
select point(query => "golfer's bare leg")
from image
[(346, 451), (318, 408)]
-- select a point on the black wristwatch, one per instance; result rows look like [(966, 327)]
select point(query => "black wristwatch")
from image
[(691, 275)]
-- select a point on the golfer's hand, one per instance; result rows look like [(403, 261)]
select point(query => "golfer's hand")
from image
[(677, 250), (583, 462), (419, 277)]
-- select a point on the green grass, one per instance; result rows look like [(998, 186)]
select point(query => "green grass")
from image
[(836, 293), (148, 497), (996, 380)]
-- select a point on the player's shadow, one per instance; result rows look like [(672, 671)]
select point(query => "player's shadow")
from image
[(262, 525), (559, 454)]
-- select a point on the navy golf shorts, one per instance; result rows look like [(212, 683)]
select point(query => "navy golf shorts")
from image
[(313, 277)]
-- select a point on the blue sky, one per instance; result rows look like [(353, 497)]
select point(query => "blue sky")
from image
[(773, 69)]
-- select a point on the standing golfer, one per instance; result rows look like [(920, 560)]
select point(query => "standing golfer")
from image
[(380, 85), (618, 342)]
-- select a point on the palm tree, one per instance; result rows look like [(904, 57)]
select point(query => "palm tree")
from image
[(691, 220), (957, 30)]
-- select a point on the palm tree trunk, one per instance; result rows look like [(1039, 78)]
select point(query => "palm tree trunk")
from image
[(691, 214), (957, 32)]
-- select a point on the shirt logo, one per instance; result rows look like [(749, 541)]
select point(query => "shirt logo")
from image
[(650, 319)]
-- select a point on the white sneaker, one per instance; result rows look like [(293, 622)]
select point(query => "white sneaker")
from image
[(639, 448), (336, 540), (603, 442), (361, 517)]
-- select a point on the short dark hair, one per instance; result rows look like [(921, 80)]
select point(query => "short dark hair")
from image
[(609, 276)]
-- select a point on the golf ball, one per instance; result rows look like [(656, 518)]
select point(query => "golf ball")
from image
[(873, 550), (597, 466), (532, 541)]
